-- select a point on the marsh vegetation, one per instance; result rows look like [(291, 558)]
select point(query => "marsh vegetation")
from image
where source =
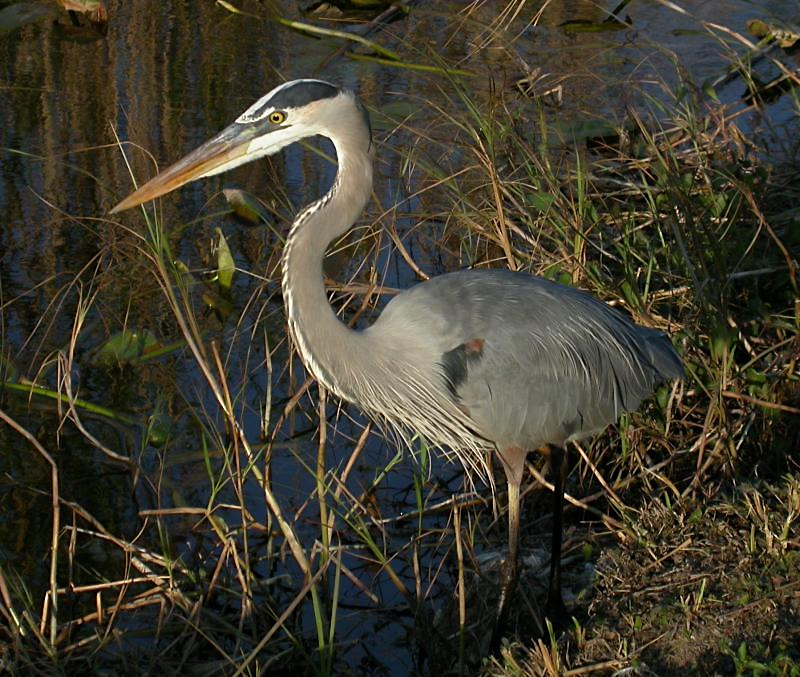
[(179, 498)]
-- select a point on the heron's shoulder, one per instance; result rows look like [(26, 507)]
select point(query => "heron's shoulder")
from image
[(460, 306), (496, 289), (504, 306)]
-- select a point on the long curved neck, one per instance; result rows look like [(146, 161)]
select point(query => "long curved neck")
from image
[(385, 380), (326, 344)]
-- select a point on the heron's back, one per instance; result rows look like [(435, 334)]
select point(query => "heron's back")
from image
[(529, 361)]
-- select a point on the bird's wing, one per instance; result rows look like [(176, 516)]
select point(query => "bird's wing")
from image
[(530, 361)]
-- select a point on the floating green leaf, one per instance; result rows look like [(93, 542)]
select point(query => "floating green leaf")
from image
[(159, 428), (126, 346), (225, 263), (785, 35), (246, 205)]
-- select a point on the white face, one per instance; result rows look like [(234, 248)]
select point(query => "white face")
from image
[(279, 118), (274, 126)]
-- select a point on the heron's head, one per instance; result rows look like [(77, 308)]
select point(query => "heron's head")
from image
[(290, 112)]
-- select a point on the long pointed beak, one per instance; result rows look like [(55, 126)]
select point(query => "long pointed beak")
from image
[(226, 150)]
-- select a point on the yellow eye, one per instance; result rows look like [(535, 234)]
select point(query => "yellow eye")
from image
[(277, 117)]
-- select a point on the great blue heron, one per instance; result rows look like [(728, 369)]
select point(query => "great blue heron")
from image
[(474, 360)]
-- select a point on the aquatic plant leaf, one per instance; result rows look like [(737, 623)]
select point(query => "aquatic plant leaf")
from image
[(225, 263), (126, 346), (786, 36), (216, 302), (710, 92), (246, 205), (159, 429)]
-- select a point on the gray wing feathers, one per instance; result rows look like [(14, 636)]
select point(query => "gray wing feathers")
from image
[(555, 363), (661, 353)]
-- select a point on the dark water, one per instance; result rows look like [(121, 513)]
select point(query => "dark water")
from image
[(165, 77)]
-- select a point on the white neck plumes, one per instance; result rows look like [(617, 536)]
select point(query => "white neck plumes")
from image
[(325, 344), (384, 377)]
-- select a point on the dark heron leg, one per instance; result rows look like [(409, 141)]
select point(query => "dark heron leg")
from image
[(556, 611)]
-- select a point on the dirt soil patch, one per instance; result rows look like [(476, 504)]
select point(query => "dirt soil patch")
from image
[(711, 589)]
